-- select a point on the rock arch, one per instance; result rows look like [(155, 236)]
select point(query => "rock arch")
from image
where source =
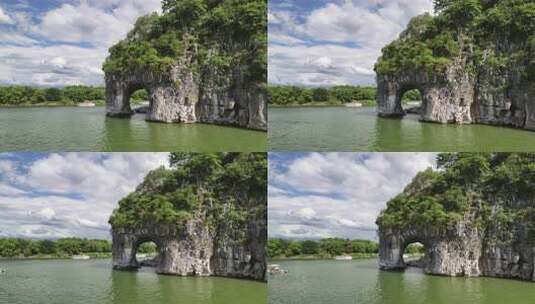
[(185, 252), (181, 96), (442, 101), (195, 249), (453, 253), (172, 96)]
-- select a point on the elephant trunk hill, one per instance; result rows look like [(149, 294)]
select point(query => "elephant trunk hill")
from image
[(207, 217), (475, 216), (200, 61), (472, 62)]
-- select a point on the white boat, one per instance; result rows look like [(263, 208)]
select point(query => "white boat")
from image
[(86, 104), (343, 258), (276, 269), (354, 105), (80, 257)]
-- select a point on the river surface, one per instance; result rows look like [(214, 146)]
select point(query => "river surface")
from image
[(88, 129), (94, 282), (359, 129), (360, 282)]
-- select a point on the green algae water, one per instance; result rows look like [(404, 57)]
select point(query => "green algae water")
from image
[(360, 282), (88, 129), (94, 282), (359, 129)]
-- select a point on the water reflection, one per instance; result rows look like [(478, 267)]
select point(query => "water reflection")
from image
[(88, 129)]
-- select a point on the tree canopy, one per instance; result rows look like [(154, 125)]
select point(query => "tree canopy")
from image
[(499, 188), (214, 184), (215, 33), (496, 33)]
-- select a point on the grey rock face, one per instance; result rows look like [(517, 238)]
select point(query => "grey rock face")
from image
[(447, 98), (464, 93), (463, 250), (181, 96), (197, 249)]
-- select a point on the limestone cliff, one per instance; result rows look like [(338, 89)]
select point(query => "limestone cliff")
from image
[(208, 66), (207, 217), (472, 63), (475, 216)]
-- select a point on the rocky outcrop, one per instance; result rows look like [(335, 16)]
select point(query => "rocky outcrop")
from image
[(461, 251), (202, 222), (196, 68), (466, 230), (455, 252), (195, 250), (446, 97), (463, 77), (182, 97)]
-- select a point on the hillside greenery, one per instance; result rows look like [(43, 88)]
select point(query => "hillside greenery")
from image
[(495, 33), (499, 188), (69, 95), (220, 34), (327, 248), (219, 187), (60, 248), (336, 95)]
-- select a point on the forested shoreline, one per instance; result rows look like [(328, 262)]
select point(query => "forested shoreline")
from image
[(17, 248), (327, 96), (327, 248), (66, 96)]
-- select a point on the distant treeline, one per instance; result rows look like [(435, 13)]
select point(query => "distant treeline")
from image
[(327, 247), (324, 247), (19, 248), (336, 95), (69, 95)]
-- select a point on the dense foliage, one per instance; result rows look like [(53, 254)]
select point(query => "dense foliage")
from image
[(10, 247), (325, 247), (69, 95), (496, 33), (292, 95), (499, 188), (222, 34), (220, 187)]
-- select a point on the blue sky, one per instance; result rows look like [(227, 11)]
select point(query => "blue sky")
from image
[(69, 194), (325, 43), (58, 43), (320, 195)]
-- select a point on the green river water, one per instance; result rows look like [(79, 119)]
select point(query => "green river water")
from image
[(360, 282), (94, 282), (359, 129), (88, 129)]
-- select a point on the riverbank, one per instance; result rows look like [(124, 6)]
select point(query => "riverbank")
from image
[(98, 103), (91, 255), (364, 103), (319, 257)]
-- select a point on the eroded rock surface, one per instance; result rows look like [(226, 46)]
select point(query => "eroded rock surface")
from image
[(468, 68), (483, 225), (200, 226), (182, 97)]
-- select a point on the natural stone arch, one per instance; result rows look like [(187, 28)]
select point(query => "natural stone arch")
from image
[(172, 96), (455, 252), (183, 252), (442, 101)]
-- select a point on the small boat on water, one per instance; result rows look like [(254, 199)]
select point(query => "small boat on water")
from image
[(343, 258), (353, 105), (276, 269), (86, 104), (80, 257)]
